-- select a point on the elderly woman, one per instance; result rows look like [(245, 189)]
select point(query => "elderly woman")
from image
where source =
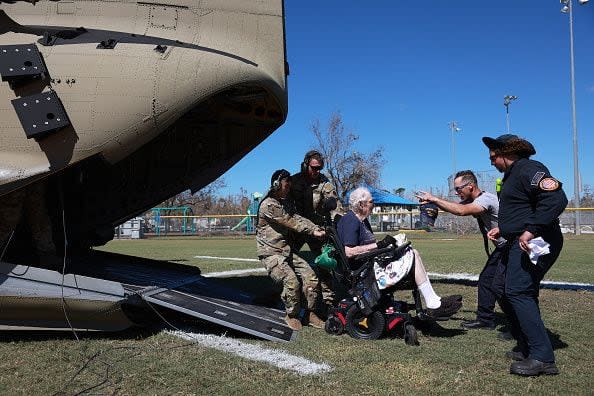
[(355, 233)]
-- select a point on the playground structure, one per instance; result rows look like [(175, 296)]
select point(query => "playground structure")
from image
[(162, 222), (390, 220), (180, 220), (252, 212)]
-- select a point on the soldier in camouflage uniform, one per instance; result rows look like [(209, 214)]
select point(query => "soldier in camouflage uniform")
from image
[(276, 218), (309, 189)]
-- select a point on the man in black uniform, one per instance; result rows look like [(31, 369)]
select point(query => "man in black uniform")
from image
[(309, 190), (531, 201)]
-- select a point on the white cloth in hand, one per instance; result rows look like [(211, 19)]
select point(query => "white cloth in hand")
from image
[(538, 247)]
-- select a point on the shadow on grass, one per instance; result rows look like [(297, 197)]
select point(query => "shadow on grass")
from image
[(264, 290), (556, 340), (434, 329), (132, 333)]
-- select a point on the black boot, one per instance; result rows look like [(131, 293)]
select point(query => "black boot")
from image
[(532, 367)]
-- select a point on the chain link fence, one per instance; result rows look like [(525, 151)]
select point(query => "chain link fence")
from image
[(382, 222)]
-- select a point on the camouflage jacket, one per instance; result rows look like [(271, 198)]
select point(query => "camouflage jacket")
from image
[(309, 197), (275, 220)]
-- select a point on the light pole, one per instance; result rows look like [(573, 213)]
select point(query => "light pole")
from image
[(567, 8), (453, 128), (506, 101)]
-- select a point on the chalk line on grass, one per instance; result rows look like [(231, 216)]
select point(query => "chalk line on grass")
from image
[(453, 276), (223, 274), (274, 357), (251, 260)]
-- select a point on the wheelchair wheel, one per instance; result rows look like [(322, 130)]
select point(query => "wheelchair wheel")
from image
[(410, 334), (333, 325), (364, 327)]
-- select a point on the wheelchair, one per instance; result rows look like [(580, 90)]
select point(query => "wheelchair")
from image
[(369, 313)]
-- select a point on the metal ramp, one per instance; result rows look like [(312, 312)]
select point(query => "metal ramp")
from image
[(255, 320), (183, 289), (36, 298)]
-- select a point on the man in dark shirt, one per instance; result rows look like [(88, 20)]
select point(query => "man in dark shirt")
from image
[(309, 189), (531, 201)]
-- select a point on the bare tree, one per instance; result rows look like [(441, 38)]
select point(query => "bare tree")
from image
[(347, 168), (203, 201)]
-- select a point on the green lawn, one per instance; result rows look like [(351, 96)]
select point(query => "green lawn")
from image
[(448, 360), (443, 253)]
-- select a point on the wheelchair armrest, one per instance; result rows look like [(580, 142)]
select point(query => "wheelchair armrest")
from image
[(372, 253), (399, 251), (396, 252)]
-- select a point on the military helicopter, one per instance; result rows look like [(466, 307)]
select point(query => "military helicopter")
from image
[(108, 108)]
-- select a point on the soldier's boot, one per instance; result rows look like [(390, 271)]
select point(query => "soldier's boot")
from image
[(293, 323), (314, 321)]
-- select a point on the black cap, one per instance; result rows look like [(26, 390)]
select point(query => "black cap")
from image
[(499, 142), (509, 143)]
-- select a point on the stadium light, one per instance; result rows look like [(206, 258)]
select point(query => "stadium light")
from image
[(567, 8), (507, 99), (453, 128)]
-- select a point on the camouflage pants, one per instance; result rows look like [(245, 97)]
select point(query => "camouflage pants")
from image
[(325, 276), (28, 203), (296, 277)]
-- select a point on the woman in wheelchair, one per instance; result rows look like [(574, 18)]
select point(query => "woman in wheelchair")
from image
[(354, 231)]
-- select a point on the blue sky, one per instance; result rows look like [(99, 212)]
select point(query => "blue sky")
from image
[(400, 71)]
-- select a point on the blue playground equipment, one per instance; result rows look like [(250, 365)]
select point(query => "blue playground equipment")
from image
[(173, 211), (252, 212)]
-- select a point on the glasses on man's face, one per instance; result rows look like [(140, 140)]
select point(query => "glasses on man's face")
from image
[(316, 168), (460, 188), (493, 157)]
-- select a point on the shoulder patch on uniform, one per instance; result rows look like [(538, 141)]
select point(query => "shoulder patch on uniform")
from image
[(536, 179), (328, 187), (549, 184)]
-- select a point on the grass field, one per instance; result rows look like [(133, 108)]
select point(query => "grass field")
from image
[(448, 360)]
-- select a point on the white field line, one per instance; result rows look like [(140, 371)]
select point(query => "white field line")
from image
[(224, 274), (454, 276), (251, 260), (233, 272), (274, 357)]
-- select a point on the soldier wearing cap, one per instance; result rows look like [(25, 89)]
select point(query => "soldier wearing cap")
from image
[(309, 190), (276, 218), (531, 201)]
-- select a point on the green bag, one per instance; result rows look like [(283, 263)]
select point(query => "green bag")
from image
[(325, 260)]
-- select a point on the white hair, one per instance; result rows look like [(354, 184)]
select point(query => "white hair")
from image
[(358, 195)]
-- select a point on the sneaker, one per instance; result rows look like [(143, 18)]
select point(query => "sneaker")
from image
[(314, 321), (477, 324), (445, 310), (293, 323), (453, 299)]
